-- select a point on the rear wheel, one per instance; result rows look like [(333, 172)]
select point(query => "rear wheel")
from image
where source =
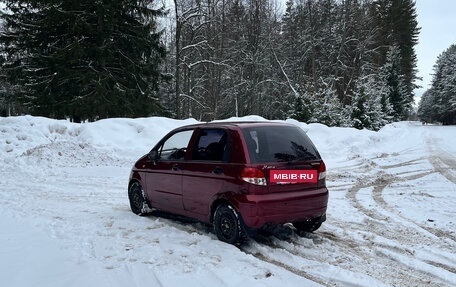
[(228, 225), (138, 203)]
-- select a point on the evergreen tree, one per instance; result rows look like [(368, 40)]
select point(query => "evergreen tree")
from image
[(387, 109), (427, 109), (444, 85), (367, 108), (398, 33), (304, 108), (84, 59), (439, 103), (329, 110), (359, 110), (395, 86)]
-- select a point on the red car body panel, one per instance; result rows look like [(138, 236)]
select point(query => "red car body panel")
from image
[(259, 210)]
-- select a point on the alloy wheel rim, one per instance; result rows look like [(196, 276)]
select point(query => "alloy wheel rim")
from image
[(136, 197), (227, 226)]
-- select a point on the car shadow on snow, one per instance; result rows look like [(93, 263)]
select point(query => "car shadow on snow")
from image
[(183, 223), (284, 232), (266, 236)]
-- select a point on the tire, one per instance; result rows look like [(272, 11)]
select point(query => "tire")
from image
[(138, 203), (307, 226), (228, 225)]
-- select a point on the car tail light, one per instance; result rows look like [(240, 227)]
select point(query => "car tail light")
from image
[(253, 176), (321, 170)]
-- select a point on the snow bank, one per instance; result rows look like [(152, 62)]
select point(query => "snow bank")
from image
[(59, 142), (130, 138)]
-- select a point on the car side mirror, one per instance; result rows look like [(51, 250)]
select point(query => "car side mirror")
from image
[(153, 156)]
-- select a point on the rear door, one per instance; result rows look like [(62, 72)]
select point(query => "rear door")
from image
[(207, 172), (287, 157)]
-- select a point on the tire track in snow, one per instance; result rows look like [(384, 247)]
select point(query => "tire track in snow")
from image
[(326, 244), (379, 214), (389, 240), (382, 210), (265, 258), (353, 258), (379, 199), (443, 161)]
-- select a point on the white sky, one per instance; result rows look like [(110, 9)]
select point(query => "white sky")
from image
[(437, 20)]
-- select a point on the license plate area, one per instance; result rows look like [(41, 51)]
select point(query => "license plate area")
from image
[(293, 176)]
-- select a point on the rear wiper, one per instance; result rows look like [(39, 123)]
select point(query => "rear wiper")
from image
[(284, 157)]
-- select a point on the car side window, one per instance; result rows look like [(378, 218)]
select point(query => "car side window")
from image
[(212, 145), (174, 147)]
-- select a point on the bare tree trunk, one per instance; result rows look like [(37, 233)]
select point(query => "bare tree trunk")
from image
[(177, 67)]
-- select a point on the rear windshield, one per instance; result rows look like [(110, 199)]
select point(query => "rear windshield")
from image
[(279, 144)]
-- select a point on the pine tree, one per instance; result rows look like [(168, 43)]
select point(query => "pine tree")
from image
[(398, 33), (439, 103), (394, 85), (304, 108), (329, 110), (427, 109), (84, 59), (367, 109), (359, 110)]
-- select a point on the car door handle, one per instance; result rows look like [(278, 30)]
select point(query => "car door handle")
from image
[(218, 170), (175, 167)]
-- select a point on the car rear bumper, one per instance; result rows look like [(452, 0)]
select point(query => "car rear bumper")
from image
[(261, 210)]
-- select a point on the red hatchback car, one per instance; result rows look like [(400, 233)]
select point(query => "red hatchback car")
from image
[(236, 176)]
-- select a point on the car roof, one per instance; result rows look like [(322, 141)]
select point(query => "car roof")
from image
[(241, 124)]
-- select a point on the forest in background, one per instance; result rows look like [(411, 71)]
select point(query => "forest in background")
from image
[(337, 62), (345, 63), (438, 104)]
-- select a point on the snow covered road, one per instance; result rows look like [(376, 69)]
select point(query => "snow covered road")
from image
[(65, 218)]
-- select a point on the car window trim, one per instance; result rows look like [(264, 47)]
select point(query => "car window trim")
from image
[(195, 139), (159, 146)]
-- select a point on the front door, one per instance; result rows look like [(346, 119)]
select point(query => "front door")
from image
[(164, 175)]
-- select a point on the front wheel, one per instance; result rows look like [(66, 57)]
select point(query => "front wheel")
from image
[(228, 225), (138, 203)]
